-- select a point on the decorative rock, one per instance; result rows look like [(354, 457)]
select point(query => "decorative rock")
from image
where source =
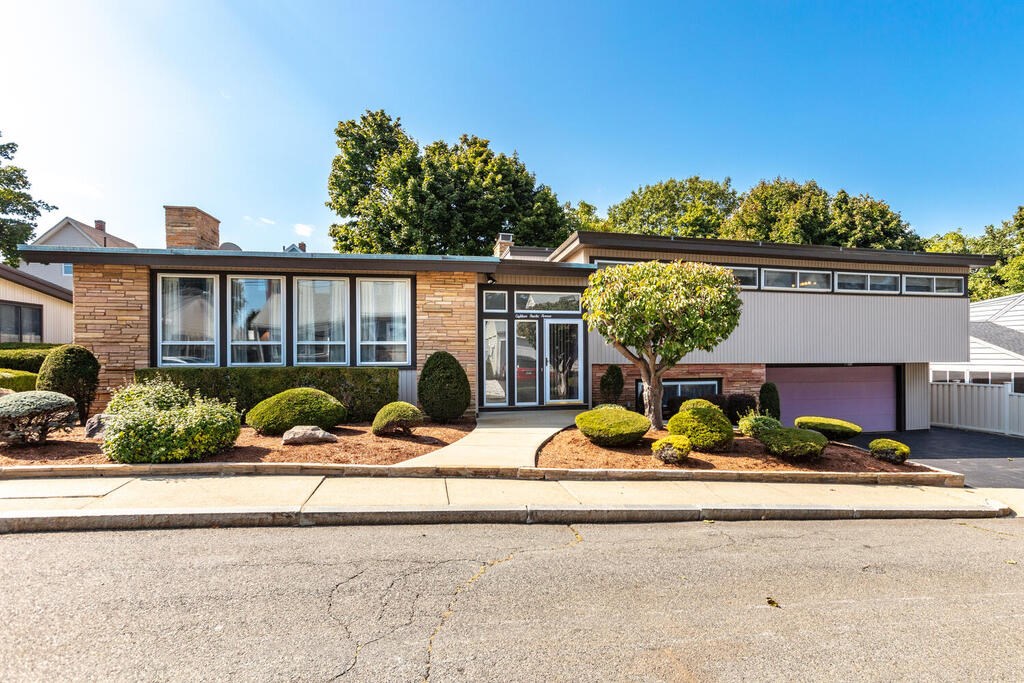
[(96, 426), (306, 434), (4, 392)]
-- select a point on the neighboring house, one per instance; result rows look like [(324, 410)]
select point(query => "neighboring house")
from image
[(843, 332), (71, 233), (33, 310), (997, 346)]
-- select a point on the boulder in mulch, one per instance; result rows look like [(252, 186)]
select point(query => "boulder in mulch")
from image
[(96, 426), (306, 434)]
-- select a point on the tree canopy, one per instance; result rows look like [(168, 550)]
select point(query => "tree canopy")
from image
[(693, 207), (655, 313), (19, 212), (1005, 242), (396, 197)]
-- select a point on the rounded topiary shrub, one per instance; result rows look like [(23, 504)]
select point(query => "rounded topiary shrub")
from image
[(753, 424), (302, 406), (71, 370), (794, 443), (17, 380), (611, 384), (673, 449), (143, 433), (28, 417), (443, 387), (889, 450), (610, 406), (833, 429), (707, 429), (612, 427), (769, 401), (159, 394), (697, 403), (398, 417)]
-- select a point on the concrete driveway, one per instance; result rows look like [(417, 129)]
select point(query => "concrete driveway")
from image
[(987, 460)]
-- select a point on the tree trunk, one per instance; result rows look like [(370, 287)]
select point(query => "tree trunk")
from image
[(653, 391)]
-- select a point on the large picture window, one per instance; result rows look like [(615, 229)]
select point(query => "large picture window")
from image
[(188, 320), (257, 320), (383, 313), (21, 323), (321, 321)]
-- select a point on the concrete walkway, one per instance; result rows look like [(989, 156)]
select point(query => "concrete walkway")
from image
[(162, 502), (501, 439)]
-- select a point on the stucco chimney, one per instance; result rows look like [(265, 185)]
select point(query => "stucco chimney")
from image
[(504, 243), (188, 227), (100, 225)]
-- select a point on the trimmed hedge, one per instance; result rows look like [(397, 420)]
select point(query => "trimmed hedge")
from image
[(753, 424), (364, 391), (27, 357), (73, 370), (158, 394), (609, 406), (397, 417), (27, 417), (707, 428), (698, 403), (142, 433), (294, 407), (889, 450), (834, 429), (17, 380), (738, 405), (794, 443), (443, 387), (672, 449), (611, 384), (769, 401), (612, 427)]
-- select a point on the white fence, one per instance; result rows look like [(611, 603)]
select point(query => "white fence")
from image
[(978, 407)]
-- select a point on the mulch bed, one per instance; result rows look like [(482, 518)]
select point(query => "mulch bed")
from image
[(355, 446), (569, 449)]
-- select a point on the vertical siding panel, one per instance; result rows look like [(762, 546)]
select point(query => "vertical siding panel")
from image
[(407, 386), (58, 316), (917, 397)]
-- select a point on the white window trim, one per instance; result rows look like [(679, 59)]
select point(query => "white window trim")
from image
[(537, 311), (245, 342), (295, 322), (884, 292), (503, 309), (798, 288), (483, 361), (67, 269), (757, 275), (536, 360), (933, 292), (160, 322), (359, 343)]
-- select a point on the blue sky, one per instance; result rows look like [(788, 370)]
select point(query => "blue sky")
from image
[(122, 107)]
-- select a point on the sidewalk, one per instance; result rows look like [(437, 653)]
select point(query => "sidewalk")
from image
[(163, 502)]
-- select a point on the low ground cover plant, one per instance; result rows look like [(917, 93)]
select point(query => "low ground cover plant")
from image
[(302, 406), (612, 426), (889, 450), (72, 370), (754, 424), (28, 417), (397, 417), (17, 380), (834, 429), (142, 433), (672, 449), (793, 443), (443, 387), (707, 428)]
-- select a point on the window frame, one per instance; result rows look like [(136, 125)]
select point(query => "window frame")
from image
[(228, 323), (905, 276), (503, 309), (18, 307), (160, 326), (884, 292), (483, 361), (798, 288), (347, 322), (67, 269), (409, 330), (757, 276), (547, 311), (717, 381)]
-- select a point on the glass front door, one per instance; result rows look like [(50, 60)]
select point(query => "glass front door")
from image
[(563, 356), (495, 362)]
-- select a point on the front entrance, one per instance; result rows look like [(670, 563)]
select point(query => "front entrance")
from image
[(563, 358)]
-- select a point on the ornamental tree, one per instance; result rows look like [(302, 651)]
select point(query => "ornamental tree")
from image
[(655, 313)]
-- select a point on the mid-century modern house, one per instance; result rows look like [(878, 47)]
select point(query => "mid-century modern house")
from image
[(842, 332), (33, 310), (997, 346), (68, 232)]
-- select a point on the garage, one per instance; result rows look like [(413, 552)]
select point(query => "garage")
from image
[(864, 394)]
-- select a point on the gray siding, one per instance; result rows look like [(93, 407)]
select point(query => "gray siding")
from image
[(407, 386), (918, 398), (67, 236), (804, 328)]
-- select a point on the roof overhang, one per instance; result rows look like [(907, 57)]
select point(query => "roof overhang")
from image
[(34, 283)]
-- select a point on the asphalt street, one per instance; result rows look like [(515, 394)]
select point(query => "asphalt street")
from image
[(765, 601)]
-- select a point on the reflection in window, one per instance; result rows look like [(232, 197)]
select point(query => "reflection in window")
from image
[(526, 361), (747, 277), (548, 301), (495, 302), (188, 324), (495, 362), (21, 323), (257, 316), (383, 322), (321, 308)]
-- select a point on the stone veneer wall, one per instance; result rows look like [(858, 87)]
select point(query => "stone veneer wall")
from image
[(446, 320), (737, 378), (112, 321), (187, 227)]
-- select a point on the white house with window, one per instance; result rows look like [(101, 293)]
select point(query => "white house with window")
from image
[(69, 232), (996, 346)]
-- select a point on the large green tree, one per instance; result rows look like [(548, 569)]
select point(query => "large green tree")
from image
[(781, 210), (19, 212), (869, 223), (692, 207), (655, 313), (1005, 242), (395, 197)]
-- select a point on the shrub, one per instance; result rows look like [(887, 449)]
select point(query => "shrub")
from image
[(612, 427), (889, 450), (27, 357), (609, 406), (707, 428), (769, 400), (794, 443), (17, 380), (159, 394), (142, 433), (28, 417), (362, 390), (398, 416), (697, 403), (754, 424), (832, 428), (293, 407), (672, 449), (71, 370), (611, 384), (737, 405), (443, 387)]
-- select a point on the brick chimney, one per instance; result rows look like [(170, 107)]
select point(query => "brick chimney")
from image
[(100, 225), (302, 246), (190, 228), (504, 243)]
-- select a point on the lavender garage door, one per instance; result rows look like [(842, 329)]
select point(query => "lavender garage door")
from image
[(863, 394)]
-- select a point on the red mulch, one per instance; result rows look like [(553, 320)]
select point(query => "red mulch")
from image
[(569, 449), (355, 445)]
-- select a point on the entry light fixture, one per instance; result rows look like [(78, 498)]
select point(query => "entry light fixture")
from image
[(490, 279)]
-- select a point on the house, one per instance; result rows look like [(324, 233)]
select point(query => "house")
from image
[(996, 346), (842, 332), (33, 310), (71, 233)]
